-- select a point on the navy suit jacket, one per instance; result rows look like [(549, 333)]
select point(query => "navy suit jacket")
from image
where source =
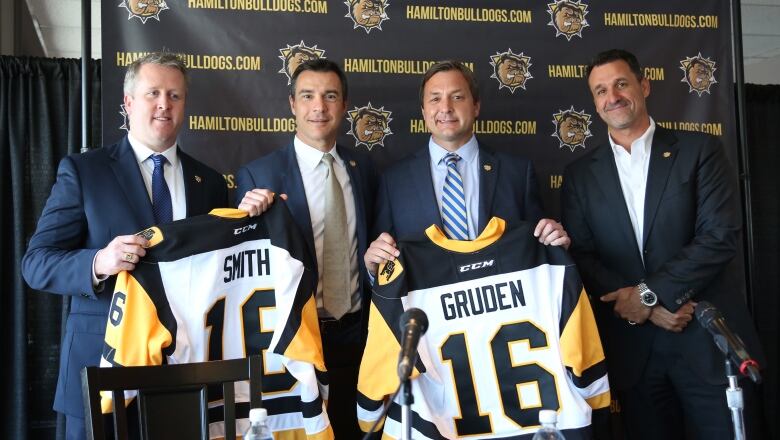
[(406, 202), (97, 196), (692, 225), (280, 173)]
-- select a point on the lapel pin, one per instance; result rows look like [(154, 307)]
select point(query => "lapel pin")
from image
[(667, 154), (352, 163), (487, 167), (198, 178)]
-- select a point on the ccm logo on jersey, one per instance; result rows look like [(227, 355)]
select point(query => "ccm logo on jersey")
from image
[(238, 231), (473, 266)]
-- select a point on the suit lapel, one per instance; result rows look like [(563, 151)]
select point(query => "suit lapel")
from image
[(662, 157), (357, 193), (125, 168), (292, 184), (488, 176), (421, 178), (193, 189)]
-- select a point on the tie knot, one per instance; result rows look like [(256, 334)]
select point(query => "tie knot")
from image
[(159, 160), (451, 159), (328, 159)]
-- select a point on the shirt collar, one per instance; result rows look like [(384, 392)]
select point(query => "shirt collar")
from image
[(142, 152), (467, 152), (309, 157), (643, 142)]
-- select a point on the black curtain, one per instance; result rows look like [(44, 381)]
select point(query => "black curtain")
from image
[(763, 114), (40, 123)]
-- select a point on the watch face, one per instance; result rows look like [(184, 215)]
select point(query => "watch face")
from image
[(648, 298)]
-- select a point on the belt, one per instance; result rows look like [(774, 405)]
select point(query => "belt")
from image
[(348, 320)]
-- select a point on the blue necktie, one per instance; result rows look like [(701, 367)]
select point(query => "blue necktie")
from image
[(161, 195), (453, 201)]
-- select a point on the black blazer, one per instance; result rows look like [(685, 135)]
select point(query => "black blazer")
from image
[(97, 196), (406, 202), (692, 225)]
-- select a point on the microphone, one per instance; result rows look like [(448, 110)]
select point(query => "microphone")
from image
[(413, 325), (730, 344)]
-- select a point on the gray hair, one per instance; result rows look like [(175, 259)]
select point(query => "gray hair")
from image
[(166, 59)]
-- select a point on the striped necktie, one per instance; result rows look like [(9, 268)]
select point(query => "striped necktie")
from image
[(161, 195), (453, 201)]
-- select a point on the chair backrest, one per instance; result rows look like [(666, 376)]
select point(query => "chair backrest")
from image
[(172, 400)]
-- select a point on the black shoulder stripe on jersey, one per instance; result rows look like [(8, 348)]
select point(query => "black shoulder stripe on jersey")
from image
[(306, 288), (277, 405), (425, 427), (572, 288), (589, 376), (149, 277), (312, 409), (322, 377), (368, 404), (285, 234)]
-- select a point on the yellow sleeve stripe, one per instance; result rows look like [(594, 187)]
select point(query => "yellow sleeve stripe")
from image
[(599, 401), (377, 376), (366, 425), (580, 342), (307, 344)]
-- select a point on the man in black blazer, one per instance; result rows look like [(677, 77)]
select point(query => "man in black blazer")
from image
[(655, 225), (410, 192), (100, 199), (299, 173)]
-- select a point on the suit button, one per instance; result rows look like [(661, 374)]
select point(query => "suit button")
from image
[(85, 295), (644, 251), (678, 301)]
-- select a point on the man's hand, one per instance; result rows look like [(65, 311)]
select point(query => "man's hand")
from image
[(257, 201), (673, 322), (552, 233), (627, 304), (380, 250), (122, 253)]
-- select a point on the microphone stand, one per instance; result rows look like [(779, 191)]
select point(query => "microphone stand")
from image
[(735, 401), (406, 409)]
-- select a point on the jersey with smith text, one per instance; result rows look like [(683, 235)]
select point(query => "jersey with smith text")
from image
[(511, 332), (226, 286)]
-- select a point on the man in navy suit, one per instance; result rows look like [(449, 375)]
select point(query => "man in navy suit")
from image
[(100, 199), (411, 193), (300, 173), (655, 226)]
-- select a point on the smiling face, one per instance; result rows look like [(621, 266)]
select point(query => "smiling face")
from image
[(318, 106), (449, 109), (155, 106), (620, 97)]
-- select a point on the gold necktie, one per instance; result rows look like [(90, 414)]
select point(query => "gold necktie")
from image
[(336, 297)]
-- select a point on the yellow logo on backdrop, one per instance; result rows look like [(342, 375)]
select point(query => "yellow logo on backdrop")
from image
[(367, 14), (572, 128), (510, 69), (144, 9), (568, 18), (699, 73), (369, 126), (294, 56)]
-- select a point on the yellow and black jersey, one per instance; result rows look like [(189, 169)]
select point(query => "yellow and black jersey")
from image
[(511, 332), (225, 286)]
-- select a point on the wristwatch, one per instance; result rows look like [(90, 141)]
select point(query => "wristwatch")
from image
[(647, 296)]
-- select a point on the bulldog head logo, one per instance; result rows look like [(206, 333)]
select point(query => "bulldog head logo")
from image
[(572, 128), (568, 18), (144, 9), (699, 73), (369, 126), (510, 69), (294, 56), (367, 14)]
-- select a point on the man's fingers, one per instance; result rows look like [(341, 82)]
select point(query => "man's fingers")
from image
[(611, 296)]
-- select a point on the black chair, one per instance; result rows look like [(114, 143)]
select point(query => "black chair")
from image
[(172, 400)]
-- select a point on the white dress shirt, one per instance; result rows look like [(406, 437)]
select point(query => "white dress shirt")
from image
[(468, 167), (313, 173), (632, 170)]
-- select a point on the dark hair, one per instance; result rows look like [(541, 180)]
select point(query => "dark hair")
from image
[(319, 65), (611, 55), (166, 59), (446, 66)]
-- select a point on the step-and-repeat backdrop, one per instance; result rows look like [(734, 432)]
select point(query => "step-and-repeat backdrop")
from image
[(529, 57)]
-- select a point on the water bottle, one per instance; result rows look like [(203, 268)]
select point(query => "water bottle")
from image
[(548, 418), (258, 428)]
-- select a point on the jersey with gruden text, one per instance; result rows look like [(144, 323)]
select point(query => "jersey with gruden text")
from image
[(226, 286), (511, 332)]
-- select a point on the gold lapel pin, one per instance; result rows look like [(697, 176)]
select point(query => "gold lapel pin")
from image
[(667, 154), (487, 167), (198, 179), (352, 163)]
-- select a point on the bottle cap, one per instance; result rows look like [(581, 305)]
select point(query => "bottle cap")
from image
[(258, 415), (548, 416)]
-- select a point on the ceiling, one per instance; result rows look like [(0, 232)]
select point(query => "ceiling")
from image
[(58, 25)]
